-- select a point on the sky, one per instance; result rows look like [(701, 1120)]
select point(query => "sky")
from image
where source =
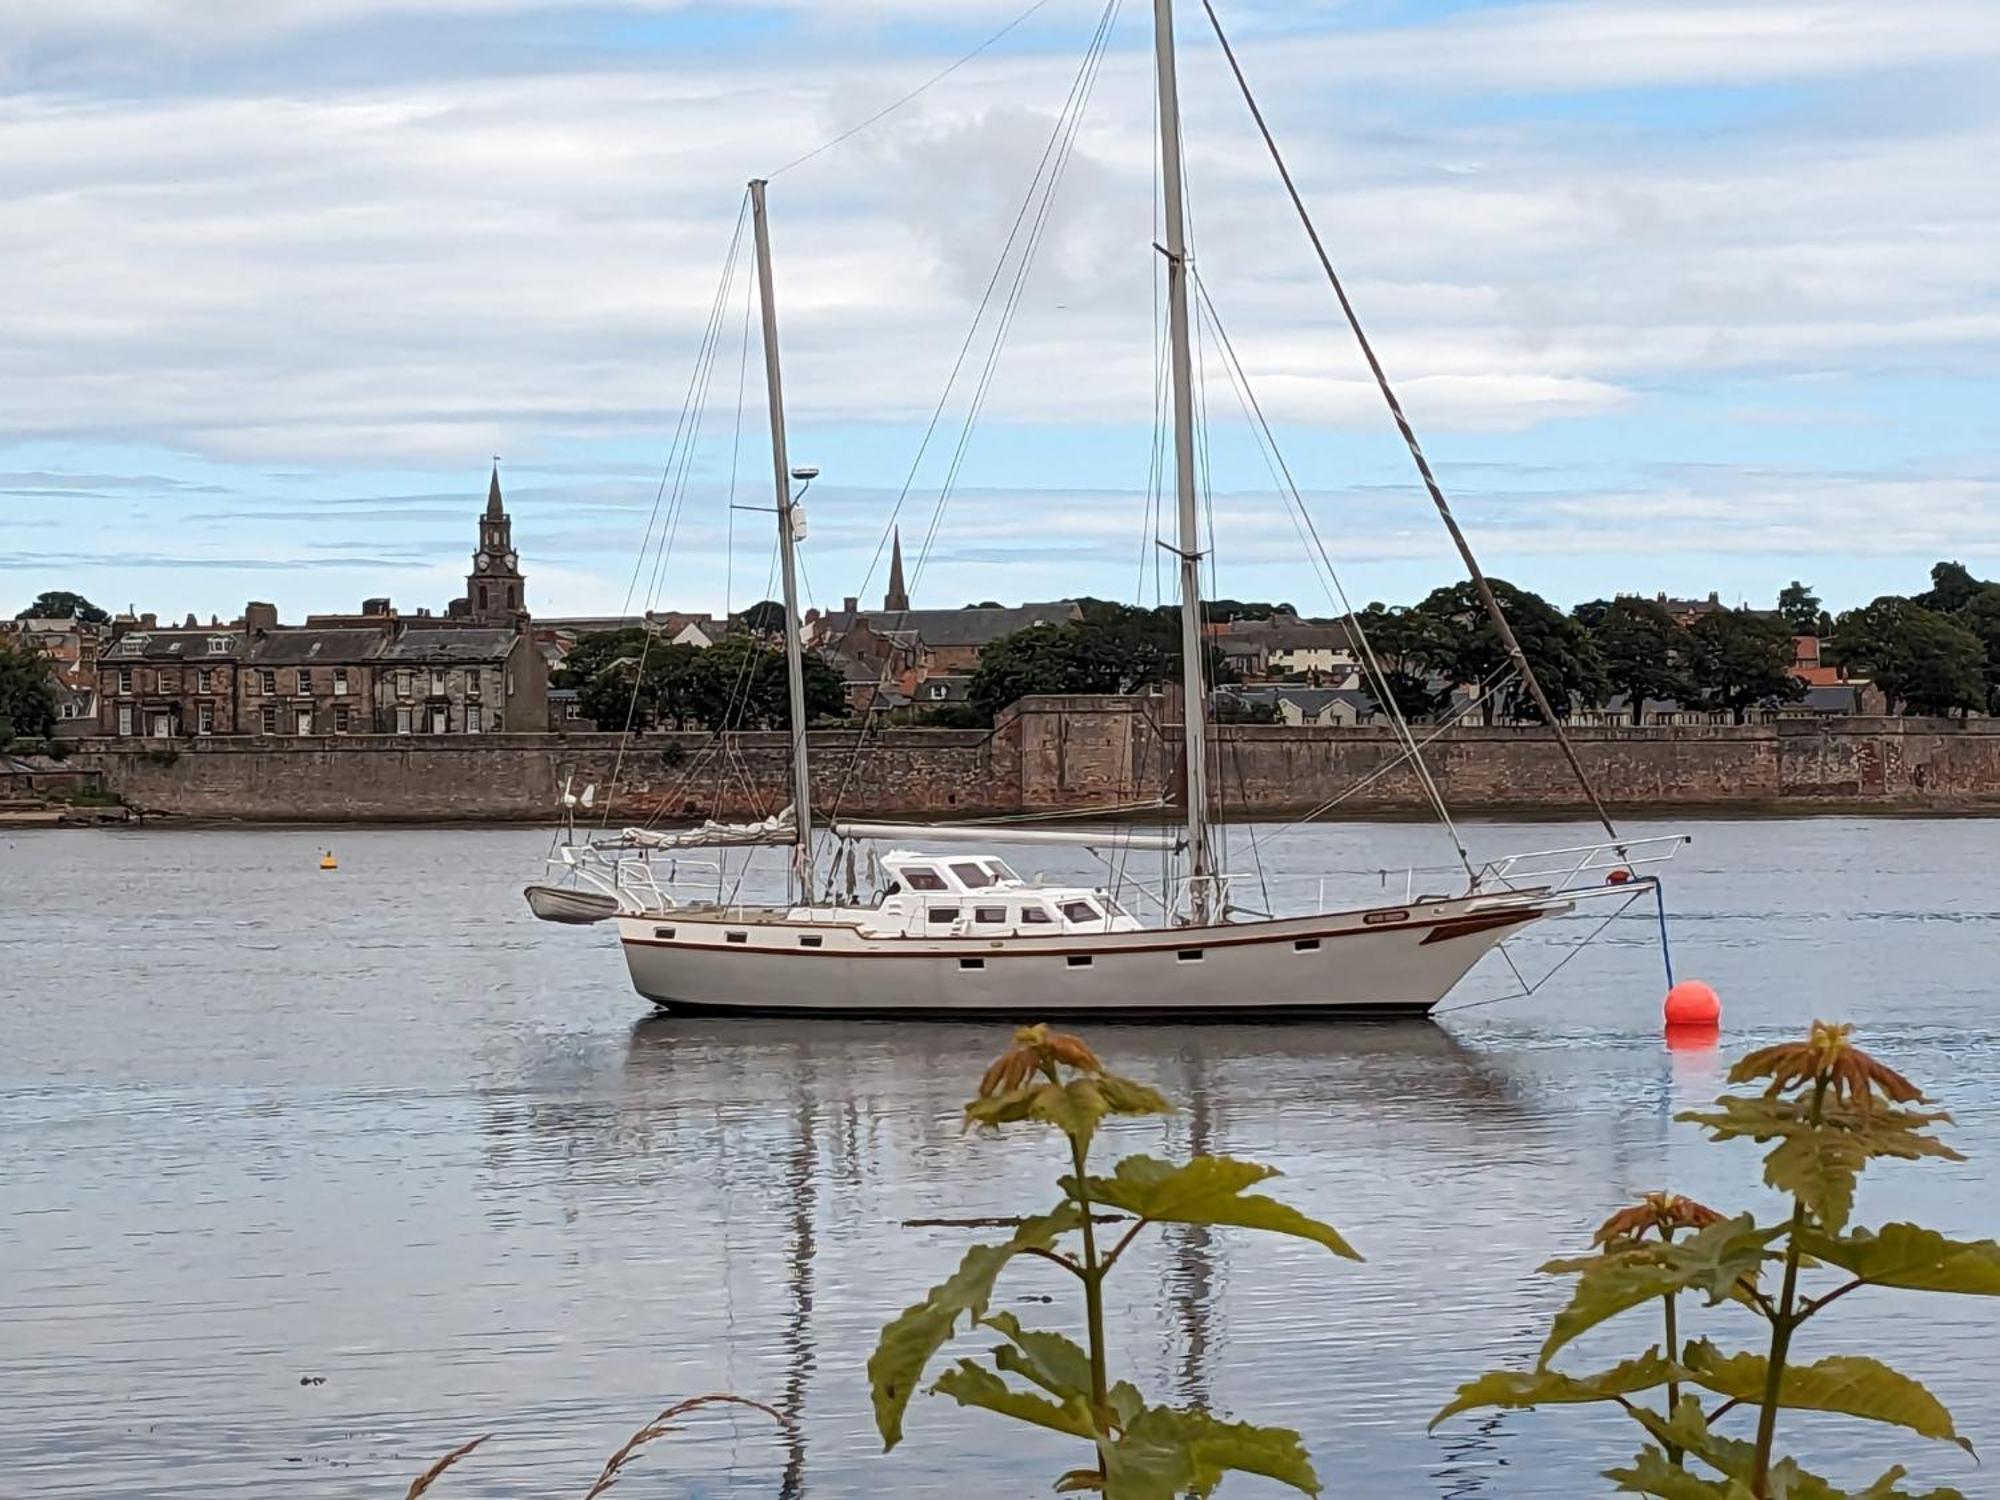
[(1680, 296)]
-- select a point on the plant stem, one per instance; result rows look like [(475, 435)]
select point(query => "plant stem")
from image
[(1093, 1287), (1783, 1321), (1673, 1386)]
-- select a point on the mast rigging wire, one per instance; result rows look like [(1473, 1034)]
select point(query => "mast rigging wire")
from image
[(1479, 579), (936, 78)]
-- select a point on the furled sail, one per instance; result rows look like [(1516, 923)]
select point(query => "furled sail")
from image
[(779, 828)]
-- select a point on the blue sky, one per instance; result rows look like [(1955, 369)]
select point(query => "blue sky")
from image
[(1681, 296)]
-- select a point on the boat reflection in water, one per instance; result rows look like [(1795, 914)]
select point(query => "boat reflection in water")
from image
[(838, 1155)]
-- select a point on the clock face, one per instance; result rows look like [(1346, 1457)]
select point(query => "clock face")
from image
[(480, 560), (513, 561)]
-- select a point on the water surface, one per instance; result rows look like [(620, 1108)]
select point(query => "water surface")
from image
[(310, 1176)]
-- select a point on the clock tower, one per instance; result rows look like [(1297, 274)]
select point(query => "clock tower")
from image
[(495, 591)]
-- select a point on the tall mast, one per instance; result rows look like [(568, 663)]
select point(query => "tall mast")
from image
[(781, 473), (1203, 898)]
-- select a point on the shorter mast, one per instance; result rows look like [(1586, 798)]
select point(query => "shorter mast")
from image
[(787, 540), (1204, 904)]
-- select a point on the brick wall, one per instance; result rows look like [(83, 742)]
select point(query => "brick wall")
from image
[(1055, 754)]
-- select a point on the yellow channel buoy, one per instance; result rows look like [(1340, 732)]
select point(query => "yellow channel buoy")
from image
[(328, 862)]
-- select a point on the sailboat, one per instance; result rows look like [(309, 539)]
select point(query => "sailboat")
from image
[(954, 931)]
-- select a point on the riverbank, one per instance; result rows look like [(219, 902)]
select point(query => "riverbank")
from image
[(1064, 755)]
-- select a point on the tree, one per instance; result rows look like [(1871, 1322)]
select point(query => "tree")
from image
[(1923, 662), (1739, 659), (1114, 648), (1981, 616), (741, 683), (1398, 639), (765, 618), (1461, 644), (1952, 588), (595, 651), (1645, 652), (61, 604), (1040, 659), (27, 694), (1800, 608)]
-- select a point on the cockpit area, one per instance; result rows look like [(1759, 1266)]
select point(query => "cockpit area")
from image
[(980, 895)]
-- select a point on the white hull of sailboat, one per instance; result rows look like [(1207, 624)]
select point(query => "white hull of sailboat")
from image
[(1382, 962)]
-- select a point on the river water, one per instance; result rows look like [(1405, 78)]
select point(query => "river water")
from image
[(310, 1176)]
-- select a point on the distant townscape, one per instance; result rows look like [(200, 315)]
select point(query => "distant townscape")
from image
[(484, 665)]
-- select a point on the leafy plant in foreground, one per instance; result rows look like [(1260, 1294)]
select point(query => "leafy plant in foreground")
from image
[(1140, 1452), (1830, 1109)]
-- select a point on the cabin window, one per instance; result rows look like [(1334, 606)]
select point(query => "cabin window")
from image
[(736, 937), (945, 914), (990, 915), (1079, 960), (1305, 945), (1190, 955), (922, 878), (972, 963), (664, 934), (811, 940), (974, 877), (1036, 916), (1081, 911)]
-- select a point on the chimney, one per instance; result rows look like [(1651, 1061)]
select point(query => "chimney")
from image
[(149, 622), (377, 608), (259, 617), (851, 603), (192, 622)]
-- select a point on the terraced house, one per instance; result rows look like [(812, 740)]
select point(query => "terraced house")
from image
[(473, 670), (170, 683)]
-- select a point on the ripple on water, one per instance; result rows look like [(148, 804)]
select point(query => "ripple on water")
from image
[(432, 1157)]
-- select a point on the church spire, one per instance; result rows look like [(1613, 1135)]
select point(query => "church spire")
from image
[(494, 511), (898, 597)]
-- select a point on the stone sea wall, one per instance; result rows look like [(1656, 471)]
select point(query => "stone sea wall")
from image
[(1056, 754)]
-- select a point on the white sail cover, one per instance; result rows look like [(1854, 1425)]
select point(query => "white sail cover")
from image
[(1104, 836), (780, 828)]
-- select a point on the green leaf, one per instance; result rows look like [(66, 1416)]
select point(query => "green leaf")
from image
[(1051, 1361), (1885, 1489), (971, 1384), (1652, 1473), (1074, 1107), (907, 1344), (1687, 1430), (1718, 1260), (1549, 1388), (1818, 1161), (1206, 1190), (1910, 1256), (1851, 1384), (1164, 1453)]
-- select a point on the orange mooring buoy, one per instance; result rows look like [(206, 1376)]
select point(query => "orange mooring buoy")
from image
[(1693, 1004)]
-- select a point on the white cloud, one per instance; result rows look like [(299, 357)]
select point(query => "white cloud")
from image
[(338, 275)]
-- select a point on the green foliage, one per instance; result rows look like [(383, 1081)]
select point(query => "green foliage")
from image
[(1451, 635), (1114, 648), (632, 679), (1921, 660), (1799, 608), (1645, 653), (1952, 588), (1139, 1452), (765, 618), (1739, 660), (1827, 1110), (62, 604), (27, 694)]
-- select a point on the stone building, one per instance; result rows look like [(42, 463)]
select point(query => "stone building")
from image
[(72, 647), (173, 683)]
